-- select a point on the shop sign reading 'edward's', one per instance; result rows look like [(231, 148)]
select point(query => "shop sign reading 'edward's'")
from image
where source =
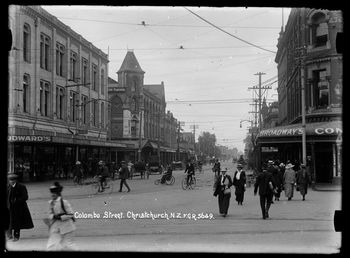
[(28, 138)]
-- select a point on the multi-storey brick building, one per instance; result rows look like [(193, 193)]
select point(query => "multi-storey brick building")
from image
[(57, 109), (307, 56), (138, 118)]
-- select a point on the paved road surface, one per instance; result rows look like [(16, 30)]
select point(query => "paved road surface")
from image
[(294, 227)]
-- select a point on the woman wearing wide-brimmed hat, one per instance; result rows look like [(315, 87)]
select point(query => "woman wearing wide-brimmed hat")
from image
[(239, 181), (61, 221), (289, 181)]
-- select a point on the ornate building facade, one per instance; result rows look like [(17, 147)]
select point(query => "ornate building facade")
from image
[(57, 111), (307, 56), (138, 116)]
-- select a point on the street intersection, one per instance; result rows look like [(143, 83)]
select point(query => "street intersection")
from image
[(166, 218)]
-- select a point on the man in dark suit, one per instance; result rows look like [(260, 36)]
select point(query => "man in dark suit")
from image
[(266, 186), (20, 217), (123, 175)]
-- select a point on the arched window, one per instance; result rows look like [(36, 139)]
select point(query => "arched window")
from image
[(319, 30), (133, 104), (26, 43), (134, 84), (102, 81), (102, 114)]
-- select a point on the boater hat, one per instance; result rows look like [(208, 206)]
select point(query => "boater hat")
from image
[(239, 165)]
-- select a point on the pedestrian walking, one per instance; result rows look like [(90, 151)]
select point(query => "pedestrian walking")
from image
[(239, 181), (123, 175), (265, 183), (303, 180), (289, 181), (19, 215), (278, 179), (222, 189), (102, 173), (217, 167), (61, 221), (78, 172)]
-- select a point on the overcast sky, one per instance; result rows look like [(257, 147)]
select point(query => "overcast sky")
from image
[(195, 60)]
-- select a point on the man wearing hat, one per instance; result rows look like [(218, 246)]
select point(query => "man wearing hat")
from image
[(289, 181), (239, 181), (123, 175), (20, 218), (265, 183), (78, 172), (102, 173)]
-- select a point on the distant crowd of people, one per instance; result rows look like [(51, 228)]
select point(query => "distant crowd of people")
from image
[(274, 178)]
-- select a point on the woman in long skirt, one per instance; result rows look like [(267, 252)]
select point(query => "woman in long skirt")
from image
[(303, 180), (289, 181), (222, 183), (239, 181), (61, 225)]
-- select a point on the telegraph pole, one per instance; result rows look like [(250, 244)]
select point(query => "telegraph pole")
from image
[(259, 88), (260, 73), (194, 126), (301, 60), (179, 124)]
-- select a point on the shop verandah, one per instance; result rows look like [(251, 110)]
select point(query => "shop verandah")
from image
[(323, 148), (54, 158)]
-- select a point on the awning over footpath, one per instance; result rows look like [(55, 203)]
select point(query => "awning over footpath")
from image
[(293, 133), (150, 144)]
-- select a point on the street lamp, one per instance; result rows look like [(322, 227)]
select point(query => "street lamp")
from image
[(240, 123)]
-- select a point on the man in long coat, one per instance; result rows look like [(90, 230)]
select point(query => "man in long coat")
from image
[(266, 185), (20, 217), (123, 175)]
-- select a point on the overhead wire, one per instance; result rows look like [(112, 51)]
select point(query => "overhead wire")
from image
[(247, 42)]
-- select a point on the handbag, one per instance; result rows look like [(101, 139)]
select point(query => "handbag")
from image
[(227, 191)]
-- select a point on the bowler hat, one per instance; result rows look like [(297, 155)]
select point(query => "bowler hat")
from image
[(12, 176)]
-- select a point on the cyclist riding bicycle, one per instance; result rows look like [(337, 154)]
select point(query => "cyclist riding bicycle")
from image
[(167, 174), (190, 171), (102, 173)]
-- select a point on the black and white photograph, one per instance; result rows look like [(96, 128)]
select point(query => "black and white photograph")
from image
[(174, 129)]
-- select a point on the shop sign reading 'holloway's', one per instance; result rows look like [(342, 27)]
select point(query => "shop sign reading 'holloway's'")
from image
[(299, 131), (28, 138)]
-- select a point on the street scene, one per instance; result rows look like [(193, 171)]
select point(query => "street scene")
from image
[(293, 227), (174, 129)]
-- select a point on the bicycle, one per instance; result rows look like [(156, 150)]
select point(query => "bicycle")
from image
[(171, 181), (190, 185), (107, 185)]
